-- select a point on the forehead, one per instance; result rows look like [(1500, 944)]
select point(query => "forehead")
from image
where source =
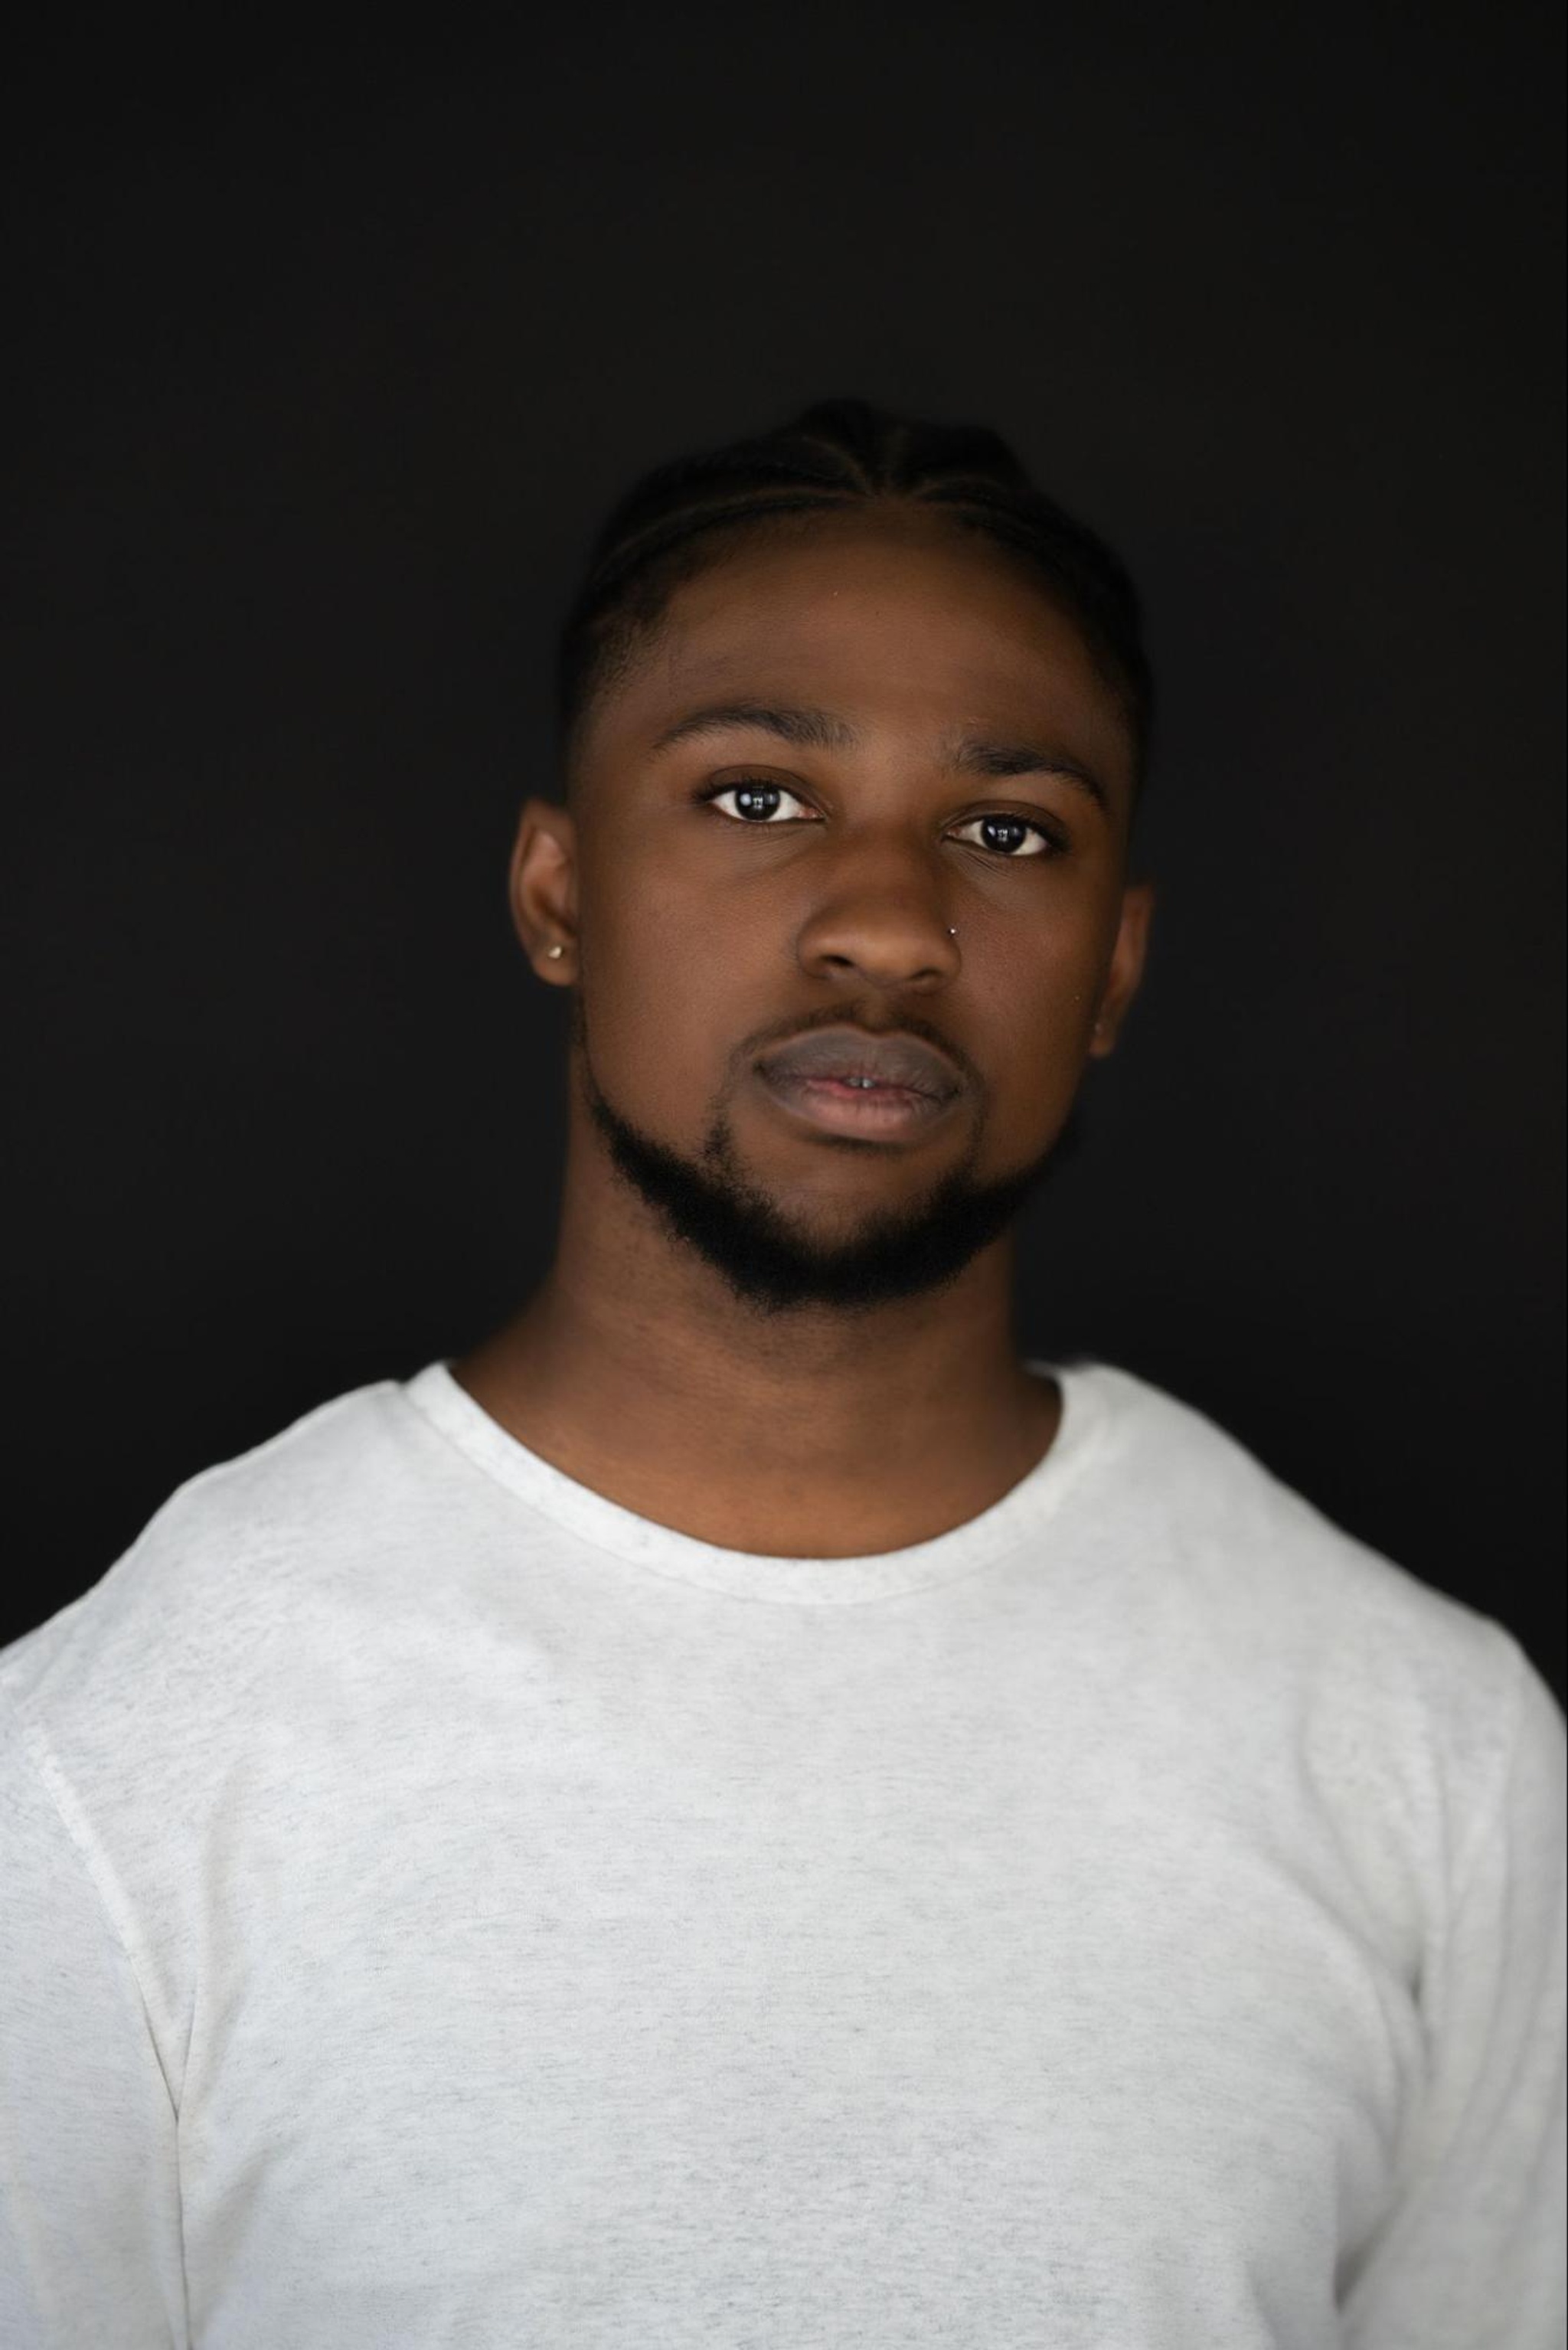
[(897, 621)]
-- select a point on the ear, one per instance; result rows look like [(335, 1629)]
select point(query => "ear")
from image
[(1126, 967), (541, 889)]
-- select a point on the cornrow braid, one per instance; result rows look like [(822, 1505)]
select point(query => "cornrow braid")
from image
[(839, 453)]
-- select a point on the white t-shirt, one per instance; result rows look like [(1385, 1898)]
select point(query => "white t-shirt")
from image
[(444, 1909)]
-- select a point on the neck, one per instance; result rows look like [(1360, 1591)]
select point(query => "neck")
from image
[(806, 1433)]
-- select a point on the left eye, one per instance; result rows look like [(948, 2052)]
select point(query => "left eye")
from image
[(1020, 838), (1009, 837)]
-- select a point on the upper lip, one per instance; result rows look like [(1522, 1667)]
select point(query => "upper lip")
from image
[(890, 1060)]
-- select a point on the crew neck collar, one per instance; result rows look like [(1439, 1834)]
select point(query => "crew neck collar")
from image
[(1021, 1515)]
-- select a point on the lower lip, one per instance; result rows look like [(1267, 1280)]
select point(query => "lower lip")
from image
[(876, 1113)]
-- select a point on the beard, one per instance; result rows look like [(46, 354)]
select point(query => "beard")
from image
[(712, 1207)]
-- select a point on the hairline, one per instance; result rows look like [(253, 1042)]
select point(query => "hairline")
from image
[(632, 628)]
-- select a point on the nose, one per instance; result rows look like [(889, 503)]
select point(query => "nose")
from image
[(894, 934)]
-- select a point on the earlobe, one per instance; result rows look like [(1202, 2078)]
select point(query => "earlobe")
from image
[(543, 883), (1126, 973)]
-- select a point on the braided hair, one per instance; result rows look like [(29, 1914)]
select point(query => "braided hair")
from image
[(836, 455)]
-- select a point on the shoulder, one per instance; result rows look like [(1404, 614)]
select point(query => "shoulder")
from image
[(1305, 1604), (191, 1617)]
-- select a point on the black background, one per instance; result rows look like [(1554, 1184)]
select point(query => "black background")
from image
[(326, 360)]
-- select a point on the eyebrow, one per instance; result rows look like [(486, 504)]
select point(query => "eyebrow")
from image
[(810, 729), (974, 758)]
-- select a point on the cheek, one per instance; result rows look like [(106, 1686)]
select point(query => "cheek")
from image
[(1035, 974), (1032, 1003), (651, 905), (671, 992)]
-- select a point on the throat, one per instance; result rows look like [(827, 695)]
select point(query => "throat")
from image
[(785, 1508)]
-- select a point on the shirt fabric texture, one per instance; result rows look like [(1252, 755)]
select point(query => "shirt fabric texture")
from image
[(441, 1909)]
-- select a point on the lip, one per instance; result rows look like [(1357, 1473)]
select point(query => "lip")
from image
[(885, 1114), (895, 1061)]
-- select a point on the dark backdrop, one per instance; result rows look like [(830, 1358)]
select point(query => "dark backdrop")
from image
[(326, 363)]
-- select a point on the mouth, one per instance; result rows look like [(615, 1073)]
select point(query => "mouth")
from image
[(872, 1111)]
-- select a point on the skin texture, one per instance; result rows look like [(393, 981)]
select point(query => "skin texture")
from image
[(752, 1332)]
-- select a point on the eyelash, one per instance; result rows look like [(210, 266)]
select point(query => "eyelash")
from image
[(1055, 844)]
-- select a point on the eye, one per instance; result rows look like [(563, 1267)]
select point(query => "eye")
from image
[(758, 802), (1014, 839), (757, 798)]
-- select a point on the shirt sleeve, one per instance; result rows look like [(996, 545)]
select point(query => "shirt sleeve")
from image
[(1471, 2255), (89, 2204)]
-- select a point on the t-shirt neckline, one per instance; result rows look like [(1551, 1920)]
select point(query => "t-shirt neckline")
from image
[(1017, 1517)]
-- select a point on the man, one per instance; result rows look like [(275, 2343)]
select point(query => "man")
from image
[(740, 1812)]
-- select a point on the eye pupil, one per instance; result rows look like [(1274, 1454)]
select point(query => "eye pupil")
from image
[(759, 799)]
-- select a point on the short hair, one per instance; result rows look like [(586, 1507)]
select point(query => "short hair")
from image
[(836, 454)]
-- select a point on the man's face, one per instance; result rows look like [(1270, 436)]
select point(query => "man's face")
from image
[(738, 885)]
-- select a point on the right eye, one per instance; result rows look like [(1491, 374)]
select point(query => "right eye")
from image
[(757, 799)]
